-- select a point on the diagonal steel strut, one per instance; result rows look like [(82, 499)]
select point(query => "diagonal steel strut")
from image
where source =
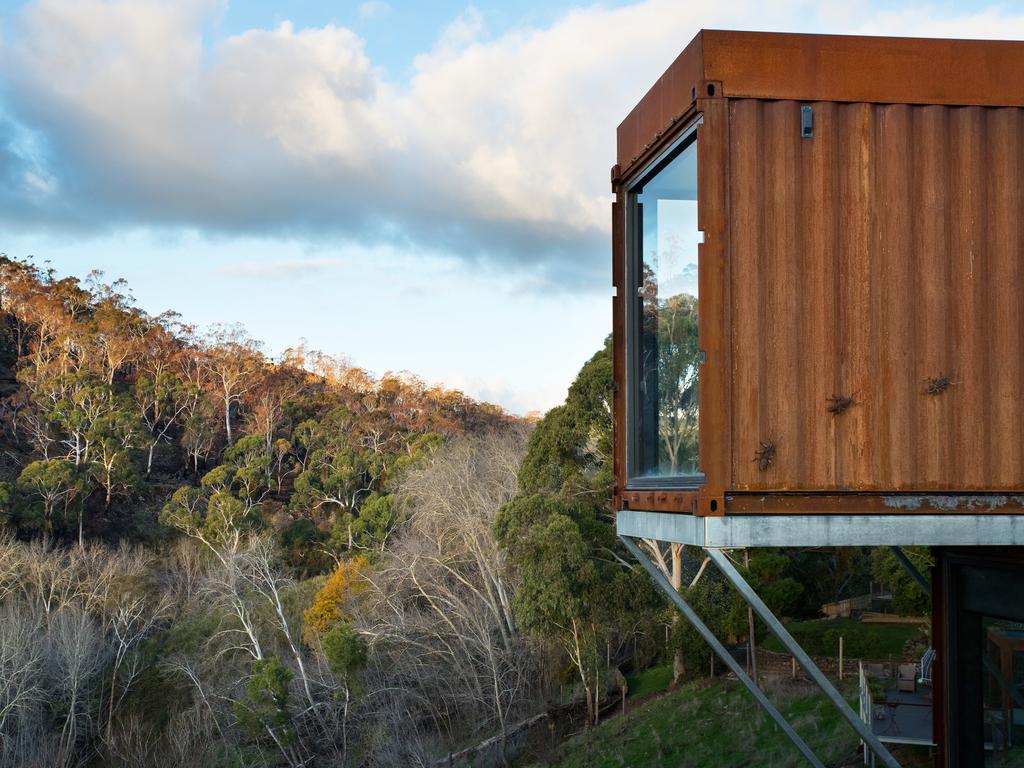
[(863, 729), (720, 650), (910, 568)]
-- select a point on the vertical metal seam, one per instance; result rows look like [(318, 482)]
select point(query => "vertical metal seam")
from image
[(762, 381), (874, 300), (949, 300), (983, 307), (913, 265), (839, 331)]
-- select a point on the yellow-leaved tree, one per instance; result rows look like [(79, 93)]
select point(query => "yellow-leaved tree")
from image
[(335, 596)]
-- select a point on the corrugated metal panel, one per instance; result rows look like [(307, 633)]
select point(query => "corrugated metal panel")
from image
[(883, 252)]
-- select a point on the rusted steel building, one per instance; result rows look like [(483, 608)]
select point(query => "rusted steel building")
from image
[(818, 251)]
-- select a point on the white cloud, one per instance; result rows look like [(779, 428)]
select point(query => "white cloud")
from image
[(374, 9), (512, 395), (278, 269), (495, 148)]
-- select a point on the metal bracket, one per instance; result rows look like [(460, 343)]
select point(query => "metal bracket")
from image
[(807, 122), (721, 651), (720, 559)]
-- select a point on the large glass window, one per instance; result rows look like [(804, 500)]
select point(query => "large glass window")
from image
[(1002, 671), (664, 355)]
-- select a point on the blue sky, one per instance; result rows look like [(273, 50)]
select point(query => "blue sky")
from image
[(413, 185)]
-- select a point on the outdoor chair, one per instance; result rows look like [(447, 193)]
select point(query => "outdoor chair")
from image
[(907, 678)]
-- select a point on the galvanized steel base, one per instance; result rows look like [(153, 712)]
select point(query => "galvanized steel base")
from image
[(739, 531)]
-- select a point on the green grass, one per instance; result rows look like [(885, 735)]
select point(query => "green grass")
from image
[(874, 641), (716, 725), (649, 681)]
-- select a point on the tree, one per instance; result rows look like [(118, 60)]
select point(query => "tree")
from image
[(112, 435), (569, 575), (677, 363), (439, 610), (908, 599), (570, 449), (6, 503), (331, 604), (49, 487), (337, 476), (251, 469), (161, 401), (234, 362), (265, 710), (117, 327), (345, 651), (209, 514)]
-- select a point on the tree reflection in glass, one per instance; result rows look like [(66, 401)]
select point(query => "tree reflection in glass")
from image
[(667, 359)]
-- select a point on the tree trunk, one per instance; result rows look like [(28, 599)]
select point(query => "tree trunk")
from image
[(227, 416), (678, 663)]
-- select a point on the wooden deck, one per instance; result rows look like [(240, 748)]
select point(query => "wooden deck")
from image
[(904, 717)]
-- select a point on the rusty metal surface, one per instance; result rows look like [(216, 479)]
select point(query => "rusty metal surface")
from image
[(895, 70), (663, 105), (715, 309), (825, 68), (877, 261), (795, 503)]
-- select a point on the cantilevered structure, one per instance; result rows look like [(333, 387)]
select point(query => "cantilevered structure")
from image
[(850, 213)]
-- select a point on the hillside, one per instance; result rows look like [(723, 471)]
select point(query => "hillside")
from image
[(105, 411), (213, 559), (718, 725)]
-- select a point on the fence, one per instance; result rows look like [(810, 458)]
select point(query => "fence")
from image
[(772, 664)]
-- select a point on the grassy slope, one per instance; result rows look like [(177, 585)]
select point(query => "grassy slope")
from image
[(811, 635), (712, 726), (650, 680)]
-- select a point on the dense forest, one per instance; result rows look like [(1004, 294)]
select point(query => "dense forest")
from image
[(212, 558)]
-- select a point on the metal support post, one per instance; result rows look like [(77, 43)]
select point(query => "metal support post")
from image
[(910, 568), (728, 570), (720, 650)]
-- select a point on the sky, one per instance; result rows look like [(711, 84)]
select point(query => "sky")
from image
[(417, 186)]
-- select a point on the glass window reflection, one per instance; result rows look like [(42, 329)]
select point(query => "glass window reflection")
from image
[(666, 358), (1003, 693)]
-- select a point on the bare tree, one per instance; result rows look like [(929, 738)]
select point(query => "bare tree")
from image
[(22, 692), (76, 654), (441, 607)]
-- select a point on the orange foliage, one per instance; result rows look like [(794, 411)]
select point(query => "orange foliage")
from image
[(330, 604)]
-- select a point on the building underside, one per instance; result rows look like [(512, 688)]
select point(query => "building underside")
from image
[(977, 592)]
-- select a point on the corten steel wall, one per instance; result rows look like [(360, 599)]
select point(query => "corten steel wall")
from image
[(882, 252)]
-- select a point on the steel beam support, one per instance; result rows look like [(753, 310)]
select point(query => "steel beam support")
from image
[(719, 558), (869, 530), (910, 568), (720, 650)]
